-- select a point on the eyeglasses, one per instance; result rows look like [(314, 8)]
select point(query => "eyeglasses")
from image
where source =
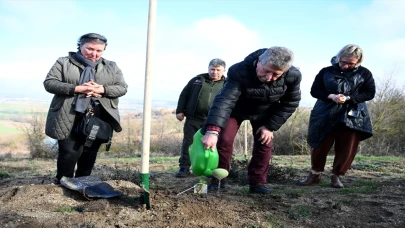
[(343, 63)]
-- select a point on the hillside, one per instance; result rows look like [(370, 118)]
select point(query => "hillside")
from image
[(373, 197)]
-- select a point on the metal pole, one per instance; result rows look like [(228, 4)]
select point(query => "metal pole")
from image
[(246, 146), (147, 105)]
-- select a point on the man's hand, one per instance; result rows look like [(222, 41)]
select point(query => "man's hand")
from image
[(210, 141), (265, 135), (180, 116)]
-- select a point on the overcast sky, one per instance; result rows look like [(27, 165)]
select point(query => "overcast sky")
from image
[(34, 33)]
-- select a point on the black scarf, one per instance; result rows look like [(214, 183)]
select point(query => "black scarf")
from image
[(82, 102)]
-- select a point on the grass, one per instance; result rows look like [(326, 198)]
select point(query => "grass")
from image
[(4, 174), (137, 159), (382, 164), (365, 183), (349, 202), (244, 190), (124, 160), (298, 162), (172, 169), (67, 209), (163, 159), (8, 130), (361, 190), (325, 181), (378, 158), (299, 211), (360, 186), (366, 166), (293, 193), (273, 220)]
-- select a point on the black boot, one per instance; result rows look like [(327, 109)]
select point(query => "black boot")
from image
[(183, 172), (259, 188)]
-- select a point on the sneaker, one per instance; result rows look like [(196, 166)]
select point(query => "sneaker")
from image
[(259, 188), (183, 172)]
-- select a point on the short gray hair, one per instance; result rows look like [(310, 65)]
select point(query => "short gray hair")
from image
[(351, 50), (217, 63), (92, 37), (279, 57)]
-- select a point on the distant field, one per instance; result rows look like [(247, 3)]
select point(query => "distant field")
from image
[(22, 106), (6, 128), (17, 110)]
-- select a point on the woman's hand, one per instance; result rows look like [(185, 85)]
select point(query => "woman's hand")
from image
[(92, 89), (337, 98)]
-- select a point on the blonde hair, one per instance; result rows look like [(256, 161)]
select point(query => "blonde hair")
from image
[(351, 50)]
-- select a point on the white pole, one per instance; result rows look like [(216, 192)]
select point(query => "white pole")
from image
[(147, 104), (246, 146)]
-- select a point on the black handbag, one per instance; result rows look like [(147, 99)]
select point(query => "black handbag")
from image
[(91, 128)]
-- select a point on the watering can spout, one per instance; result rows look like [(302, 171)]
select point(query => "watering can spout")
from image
[(203, 161)]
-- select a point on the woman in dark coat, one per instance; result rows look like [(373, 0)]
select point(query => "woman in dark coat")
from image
[(340, 115)]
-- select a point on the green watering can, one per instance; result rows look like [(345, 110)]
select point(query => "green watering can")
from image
[(203, 162)]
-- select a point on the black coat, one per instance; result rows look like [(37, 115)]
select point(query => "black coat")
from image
[(190, 96), (244, 96), (357, 83)]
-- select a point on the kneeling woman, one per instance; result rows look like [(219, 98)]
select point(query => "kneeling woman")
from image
[(340, 115)]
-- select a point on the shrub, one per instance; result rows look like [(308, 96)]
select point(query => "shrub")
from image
[(38, 145)]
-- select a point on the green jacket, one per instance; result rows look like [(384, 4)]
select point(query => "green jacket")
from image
[(196, 98), (62, 79)]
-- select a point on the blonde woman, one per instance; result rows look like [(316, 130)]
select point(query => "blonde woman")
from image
[(340, 116)]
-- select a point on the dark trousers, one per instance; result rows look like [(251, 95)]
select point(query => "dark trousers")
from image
[(72, 153), (261, 154), (191, 126), (346, 142)]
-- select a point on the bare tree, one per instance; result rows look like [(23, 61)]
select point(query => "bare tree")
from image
[(387, 112)]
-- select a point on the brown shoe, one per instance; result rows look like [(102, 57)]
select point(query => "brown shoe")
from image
[(335, 182), (311, 179)]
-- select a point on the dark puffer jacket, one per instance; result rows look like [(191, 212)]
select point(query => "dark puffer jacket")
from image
[(357, 83), (244, 96)]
